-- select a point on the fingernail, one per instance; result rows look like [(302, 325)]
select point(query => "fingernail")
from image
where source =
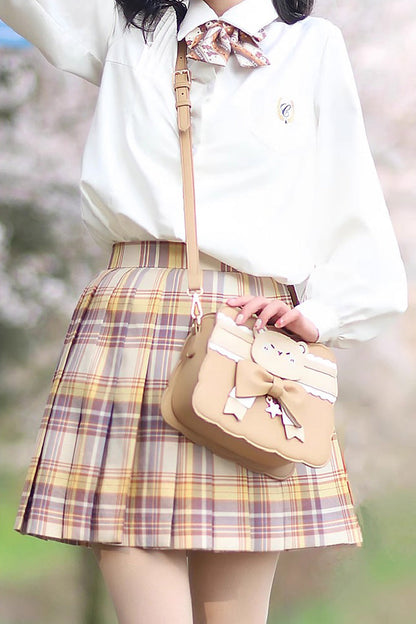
[(258, 324), (239, 319)]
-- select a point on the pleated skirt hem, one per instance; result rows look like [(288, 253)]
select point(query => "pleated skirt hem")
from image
[(227, 547)]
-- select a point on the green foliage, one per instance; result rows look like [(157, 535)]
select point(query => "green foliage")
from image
[(13, 343), (27, 229)]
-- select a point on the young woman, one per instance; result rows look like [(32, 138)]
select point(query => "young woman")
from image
[(286, 193)]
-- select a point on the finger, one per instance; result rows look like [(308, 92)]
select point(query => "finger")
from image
[(297, 323), (291, 316), (251, 307), (239, 301), (273, 310)]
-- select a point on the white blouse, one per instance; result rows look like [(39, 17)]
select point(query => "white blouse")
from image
[(285, 181)]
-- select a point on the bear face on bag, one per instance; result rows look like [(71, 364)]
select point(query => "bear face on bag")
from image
[(279, 354)]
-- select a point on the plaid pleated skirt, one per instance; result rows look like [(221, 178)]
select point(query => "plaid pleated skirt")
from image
[(108, 469)]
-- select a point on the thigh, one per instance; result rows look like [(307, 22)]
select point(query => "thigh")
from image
[(232, 587), (146, 586)]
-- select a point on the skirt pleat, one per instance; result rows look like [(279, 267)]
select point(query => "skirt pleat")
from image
[(108, 469)]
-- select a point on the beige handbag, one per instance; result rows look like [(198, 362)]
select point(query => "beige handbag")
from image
[(263, 399)]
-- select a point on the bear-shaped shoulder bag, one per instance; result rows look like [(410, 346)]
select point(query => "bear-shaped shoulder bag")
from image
[(263, 399)]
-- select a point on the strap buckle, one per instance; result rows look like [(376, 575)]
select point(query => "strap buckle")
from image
[(196, 307), (182, 78)]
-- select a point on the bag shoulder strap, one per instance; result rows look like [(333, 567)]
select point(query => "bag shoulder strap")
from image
[(182, 86)]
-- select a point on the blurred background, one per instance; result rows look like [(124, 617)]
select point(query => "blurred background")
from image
[(46, 259)]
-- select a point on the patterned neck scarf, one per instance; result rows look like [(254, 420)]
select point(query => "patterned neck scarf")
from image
[(214, 41)]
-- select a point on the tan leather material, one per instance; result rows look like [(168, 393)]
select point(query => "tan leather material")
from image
[(177, 410), (182, 85), (313, 365), (200, 402)]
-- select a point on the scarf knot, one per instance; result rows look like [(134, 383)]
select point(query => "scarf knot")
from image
[(214, 41)]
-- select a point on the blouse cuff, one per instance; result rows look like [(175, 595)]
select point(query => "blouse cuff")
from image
[(323, 317)]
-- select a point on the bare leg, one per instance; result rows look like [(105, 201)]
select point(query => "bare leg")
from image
[(231, 588), (146, 586)]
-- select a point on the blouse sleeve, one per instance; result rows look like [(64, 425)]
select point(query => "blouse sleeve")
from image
[(358, 283), (72, 34)]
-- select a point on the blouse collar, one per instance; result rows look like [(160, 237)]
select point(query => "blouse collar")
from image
[(248, 15)]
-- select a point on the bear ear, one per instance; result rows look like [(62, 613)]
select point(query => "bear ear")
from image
[(303, 347)]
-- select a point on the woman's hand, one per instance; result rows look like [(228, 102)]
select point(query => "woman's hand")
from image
[(274, 311)]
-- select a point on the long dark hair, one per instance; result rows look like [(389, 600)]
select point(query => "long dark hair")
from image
[(145, 14)]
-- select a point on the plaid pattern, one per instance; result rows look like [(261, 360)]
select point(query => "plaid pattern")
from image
[(108, 469)]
